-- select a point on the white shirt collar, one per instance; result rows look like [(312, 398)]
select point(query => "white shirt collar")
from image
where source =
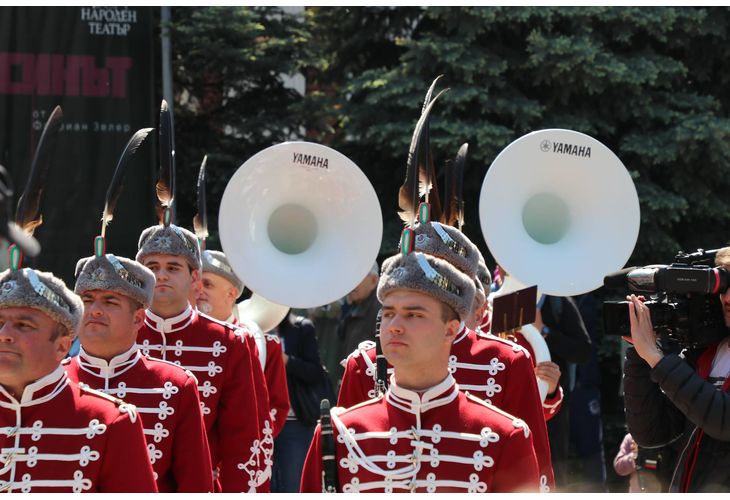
[(40, 390), (170, 325), (416, 402), (108, 369)]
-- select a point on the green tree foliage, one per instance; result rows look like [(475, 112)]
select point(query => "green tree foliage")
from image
[(650, 83), (230, 97)]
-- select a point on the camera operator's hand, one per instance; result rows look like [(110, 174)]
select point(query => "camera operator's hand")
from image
[(642, 331)]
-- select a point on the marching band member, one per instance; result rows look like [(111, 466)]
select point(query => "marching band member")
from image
[(215, 352), (217, 297), (221, 289), (57, 435), (115, 292), (484, 316), (545, 370), (424, 434), (492, 369)]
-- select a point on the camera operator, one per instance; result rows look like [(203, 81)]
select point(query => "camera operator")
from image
[(680, 400)]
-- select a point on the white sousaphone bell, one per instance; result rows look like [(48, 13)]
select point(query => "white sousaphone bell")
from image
[(263, 312), (558, 209), (260, 316), (301, 226)]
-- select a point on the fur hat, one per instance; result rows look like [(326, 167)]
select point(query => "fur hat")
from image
[(448, 243), (42, 291), (430, 275), (170, 240), (116, 274), (215, 262), (479, 291), (483, 275)]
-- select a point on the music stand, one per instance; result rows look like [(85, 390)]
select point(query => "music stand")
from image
[(512, 311)]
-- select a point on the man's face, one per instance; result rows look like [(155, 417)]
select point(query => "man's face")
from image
[(413, 332), (27, 352), (363, 290), (217, 296), (174, 278), (110, 322)]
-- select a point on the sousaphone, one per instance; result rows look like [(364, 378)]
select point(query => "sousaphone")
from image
[(263, 312), (300, 224), (261, 316), (557, 209)]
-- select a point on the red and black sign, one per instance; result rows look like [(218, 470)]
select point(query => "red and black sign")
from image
[(97, 64)]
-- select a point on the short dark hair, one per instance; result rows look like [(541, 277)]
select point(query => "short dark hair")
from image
[(59, 330), (134, 304), (448, 313)]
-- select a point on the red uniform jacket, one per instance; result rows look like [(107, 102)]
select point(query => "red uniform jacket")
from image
[(264, 460), (551, 406), (272, 363), (441, 441), (166, 397), (492, 369), (64, 437), (216, 354), (265, 416), (275, 373)]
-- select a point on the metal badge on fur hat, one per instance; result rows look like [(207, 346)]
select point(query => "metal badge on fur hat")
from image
[(170, 240), (42, 291), (446, 242), (430, 275), (116, 274), (215, 262)]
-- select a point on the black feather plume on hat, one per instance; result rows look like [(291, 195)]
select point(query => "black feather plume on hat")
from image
[(28, 214), (117, 182), (408, 194), (165, 186), (200, 221), (427, 187), (454, 187), (8, 229)]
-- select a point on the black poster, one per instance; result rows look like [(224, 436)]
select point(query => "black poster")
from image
[(97, 64)]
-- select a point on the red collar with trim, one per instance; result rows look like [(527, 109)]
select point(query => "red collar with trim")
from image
[(40, 391), (108, 369)]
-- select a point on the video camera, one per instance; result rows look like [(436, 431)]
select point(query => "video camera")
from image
[(684, 304)]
